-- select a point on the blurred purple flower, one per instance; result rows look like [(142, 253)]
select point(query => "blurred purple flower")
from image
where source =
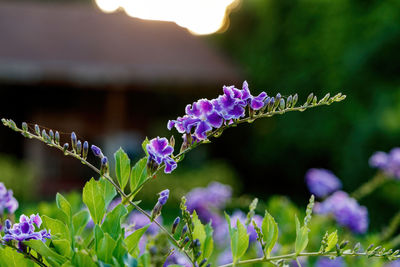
[(208, 201), (177, 258), (346, 211), (327, 262), (160, 152), (225, 257), (7, 201), (393, 264), (137, 220), (25, 230), (241, 216), (387, 162), (322, 182)]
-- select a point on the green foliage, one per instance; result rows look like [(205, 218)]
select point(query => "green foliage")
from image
[(112, 222), (96, 196), (239, 239), (204, 235), (332, 241), (122, 167), (11, 258), (269, 230), (138, 174), (132, 241)]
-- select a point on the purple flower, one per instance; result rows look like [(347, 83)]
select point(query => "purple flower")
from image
[(160, 152), (163, 197), (322, 182), (327, 262), (25, 230), (346, 211), (388, 163), (255, 102), (230, 105), (7, 201)]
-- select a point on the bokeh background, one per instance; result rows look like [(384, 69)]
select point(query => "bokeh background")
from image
[(115, 79)]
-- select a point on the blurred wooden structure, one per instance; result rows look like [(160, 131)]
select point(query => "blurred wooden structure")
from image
[(105, 76)]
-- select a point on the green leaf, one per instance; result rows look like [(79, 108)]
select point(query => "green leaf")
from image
[(269, 229), (93, 197), (106, 248), (239, 239), (332, 241), (198, 231), (208, 244), (144, 260), (132, 241), (138, 174), (122, 167), (57, 227), (144, 144), (79, 221), (11, 258), (112, 222), (301, 237), (120, 251), (82, 259), (65, 207), (62, 247), (51, 256), (98, 236), (107, 190)]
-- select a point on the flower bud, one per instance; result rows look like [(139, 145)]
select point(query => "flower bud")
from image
[(65, 147), (25, 126), (57, 138), (97, 151), (104, 166), (44, 134), (295, 98), (51, 135), (271, 104), (310, 98), (73, 141), (196, 243), (172, 141), (85, 149), (37, 129), (79, 147), (7, 226), (282, 104), (202, 262), (289, 101), (185, 241), (4, 121), (278, 97), (208, 265), (175, 224), (184, 230), (198, 254)]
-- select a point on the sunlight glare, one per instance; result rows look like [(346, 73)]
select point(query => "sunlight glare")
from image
[(198, 16)]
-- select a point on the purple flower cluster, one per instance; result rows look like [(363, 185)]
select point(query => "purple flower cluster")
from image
[(389, 163), (25, 230), (7, 201), (160, 152), (204, 115), (163, 197), (346, 211), (322, 182)]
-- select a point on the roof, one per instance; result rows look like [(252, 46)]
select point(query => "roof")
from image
[(76, 43)]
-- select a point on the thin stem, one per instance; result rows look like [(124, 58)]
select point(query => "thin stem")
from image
[(391, 228), (367, 188), (294, 256), (298, 262)]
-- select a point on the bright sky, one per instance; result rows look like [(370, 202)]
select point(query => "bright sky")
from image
[(198, 16)]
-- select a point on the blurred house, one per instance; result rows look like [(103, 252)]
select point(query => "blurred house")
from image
[(110, 78)]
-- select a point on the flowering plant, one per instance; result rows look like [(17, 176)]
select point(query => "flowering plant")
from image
[(115, 231)]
